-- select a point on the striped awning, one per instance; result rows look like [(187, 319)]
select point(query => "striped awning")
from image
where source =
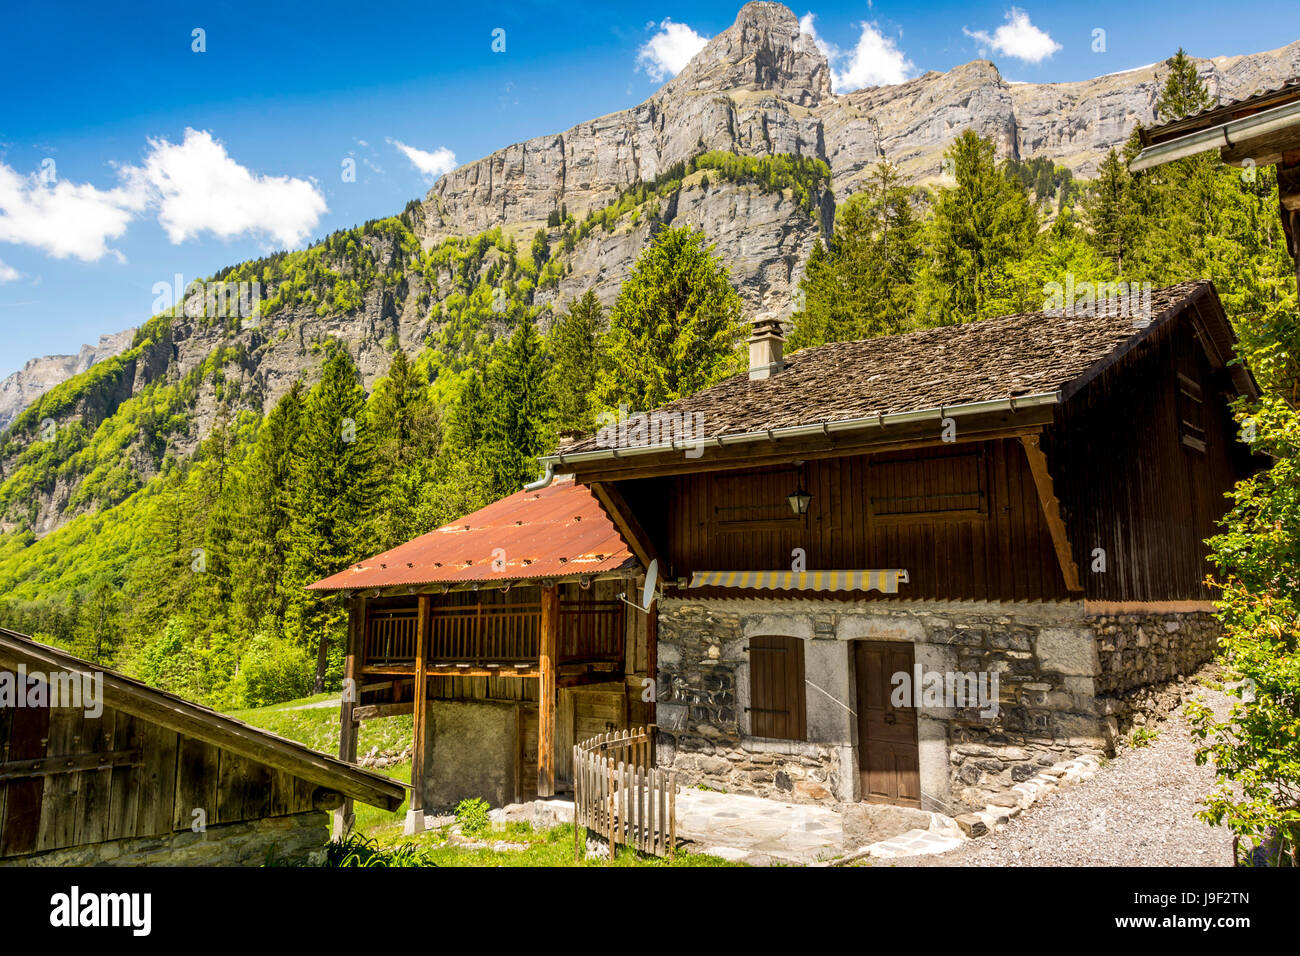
[(886, 581)]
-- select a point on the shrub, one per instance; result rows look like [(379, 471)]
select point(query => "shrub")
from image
[(272, 670), (472, 815)]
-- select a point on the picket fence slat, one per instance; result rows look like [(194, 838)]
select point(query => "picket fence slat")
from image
[(619, 795)]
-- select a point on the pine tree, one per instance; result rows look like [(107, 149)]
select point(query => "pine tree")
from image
[(540, 250), (1111, 211), (266, 490), (406, 429), (1183, 93), (332, 498), (862, 285), (518, 424), (574, 344), (981, 227), (674, 327)]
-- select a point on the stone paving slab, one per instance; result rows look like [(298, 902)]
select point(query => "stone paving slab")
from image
[(914, 843), (752, 828)]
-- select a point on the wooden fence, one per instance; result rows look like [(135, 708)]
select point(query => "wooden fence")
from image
[(621, 795)]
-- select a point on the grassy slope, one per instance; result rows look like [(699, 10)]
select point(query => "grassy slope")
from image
[(318, 728)]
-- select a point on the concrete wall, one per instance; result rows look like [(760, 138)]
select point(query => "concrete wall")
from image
[(233, 844), (1067, 682), (470, 749)]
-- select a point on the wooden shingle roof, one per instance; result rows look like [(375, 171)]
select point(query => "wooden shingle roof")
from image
[(1037, 353)]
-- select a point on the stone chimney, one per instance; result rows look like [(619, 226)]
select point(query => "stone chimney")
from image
[(766, 345)]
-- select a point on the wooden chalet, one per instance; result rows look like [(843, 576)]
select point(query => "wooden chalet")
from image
[(507, 636), (97, 768), (1023, 498)]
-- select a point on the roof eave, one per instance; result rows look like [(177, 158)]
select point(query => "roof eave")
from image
[(629, 568), (1013, 403), (1235, 133), (194, 720)]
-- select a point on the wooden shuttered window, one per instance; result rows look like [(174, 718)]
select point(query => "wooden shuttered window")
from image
[(1191, 413), (777, 706), (928, 487)]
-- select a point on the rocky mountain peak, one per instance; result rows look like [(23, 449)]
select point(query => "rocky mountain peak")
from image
[(762, 51)]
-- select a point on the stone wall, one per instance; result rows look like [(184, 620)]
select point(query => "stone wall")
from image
[(1066, 680), (1145, 660), (292, 837)]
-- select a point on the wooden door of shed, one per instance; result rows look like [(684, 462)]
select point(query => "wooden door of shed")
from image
[(888, 753), (580, 714)]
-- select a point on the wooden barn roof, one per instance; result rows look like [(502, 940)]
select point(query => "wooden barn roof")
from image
[(202, 723), (1047, 355), (556, 532)]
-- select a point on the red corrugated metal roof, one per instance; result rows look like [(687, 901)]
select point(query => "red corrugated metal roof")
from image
[(557, 531)]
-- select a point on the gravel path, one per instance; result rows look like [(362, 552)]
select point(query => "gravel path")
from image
[(1137, 811)]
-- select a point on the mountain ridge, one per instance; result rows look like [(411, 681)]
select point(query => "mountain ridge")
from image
[(425, 280)]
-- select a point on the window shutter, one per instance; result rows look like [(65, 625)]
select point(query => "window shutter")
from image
[(777, 706)]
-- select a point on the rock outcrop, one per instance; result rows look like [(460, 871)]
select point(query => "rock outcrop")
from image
[(761, 87), (40, 375)]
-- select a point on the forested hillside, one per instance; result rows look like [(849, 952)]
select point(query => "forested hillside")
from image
[(164, 509)]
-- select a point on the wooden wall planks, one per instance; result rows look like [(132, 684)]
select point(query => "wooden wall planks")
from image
[(175, 776)]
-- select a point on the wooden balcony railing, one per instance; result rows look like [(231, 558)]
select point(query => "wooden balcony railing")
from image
[(486, 633), (478, 634), (390, 636)]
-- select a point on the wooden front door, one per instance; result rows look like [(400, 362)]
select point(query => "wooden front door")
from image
[(888, 760)]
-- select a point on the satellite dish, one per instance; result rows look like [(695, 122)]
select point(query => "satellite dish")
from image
[(651, 579)]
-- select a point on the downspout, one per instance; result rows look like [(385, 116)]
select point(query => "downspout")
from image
[(547, 477)]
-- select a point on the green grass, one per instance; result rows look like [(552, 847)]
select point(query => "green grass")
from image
[(318, 728), (545, 848), (378, 839)]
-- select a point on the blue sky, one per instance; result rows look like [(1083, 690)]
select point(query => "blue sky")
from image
[(126, 157)]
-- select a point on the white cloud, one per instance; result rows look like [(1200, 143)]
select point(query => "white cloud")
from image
[(1017, 38), (64, 218), (875, 60), (430, 164), (198, 188), (194, 187), (669, 50), (8, 273)]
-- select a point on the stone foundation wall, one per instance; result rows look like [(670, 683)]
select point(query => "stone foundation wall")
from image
[(233, 844), (1140, 650), (1066, 683), (1146, 660)]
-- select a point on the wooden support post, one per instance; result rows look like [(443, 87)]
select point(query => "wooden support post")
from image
[(344, 817), (420, 705), (1051, 511), (546, 690)]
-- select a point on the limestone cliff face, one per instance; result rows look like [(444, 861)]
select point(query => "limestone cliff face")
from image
[(40, 375), (752, 90), (761, 87), (758, 88)]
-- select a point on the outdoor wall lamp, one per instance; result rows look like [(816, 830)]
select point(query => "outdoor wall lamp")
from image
[(799, 501)]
